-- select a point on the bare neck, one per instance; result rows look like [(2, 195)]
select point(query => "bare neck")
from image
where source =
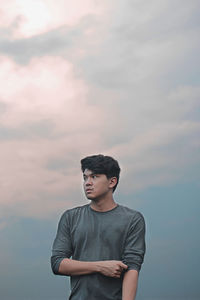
[(103, 204)]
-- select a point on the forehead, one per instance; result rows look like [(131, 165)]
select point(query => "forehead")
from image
[(88, 172)]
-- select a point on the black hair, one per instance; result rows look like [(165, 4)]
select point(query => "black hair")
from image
[(101, 164)]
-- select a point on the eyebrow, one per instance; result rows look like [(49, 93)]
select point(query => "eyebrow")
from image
[(90, 174)]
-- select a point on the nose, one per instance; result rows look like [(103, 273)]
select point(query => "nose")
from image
[(88, 181)]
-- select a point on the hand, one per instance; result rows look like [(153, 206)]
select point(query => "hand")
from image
[(112, 268)]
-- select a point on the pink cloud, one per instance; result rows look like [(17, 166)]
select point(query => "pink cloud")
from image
[(45, 89), (30, 17), (142, 119)]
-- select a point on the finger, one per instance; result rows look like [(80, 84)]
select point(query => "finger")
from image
[(117, 274), (123, 265)]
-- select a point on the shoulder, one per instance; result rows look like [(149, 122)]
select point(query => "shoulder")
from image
[(74, 212), (136, 222), (133, 217), (76, 209), (129, 212)]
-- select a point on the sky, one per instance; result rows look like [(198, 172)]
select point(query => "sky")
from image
[(119, 78)]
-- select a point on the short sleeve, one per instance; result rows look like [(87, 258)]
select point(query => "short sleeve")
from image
[(134, 248), (62, 246)]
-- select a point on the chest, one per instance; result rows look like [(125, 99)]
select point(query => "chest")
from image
[(101, 235)]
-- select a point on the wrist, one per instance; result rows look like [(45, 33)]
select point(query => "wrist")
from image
[(98, 266)]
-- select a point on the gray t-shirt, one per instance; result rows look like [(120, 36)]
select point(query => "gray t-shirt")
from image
[(88, 235)]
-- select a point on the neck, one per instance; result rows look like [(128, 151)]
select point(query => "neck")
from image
[(103, 204)]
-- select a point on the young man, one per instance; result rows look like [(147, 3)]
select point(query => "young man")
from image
[(100, 245)]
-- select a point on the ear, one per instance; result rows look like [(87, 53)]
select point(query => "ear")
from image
[(113, 182)]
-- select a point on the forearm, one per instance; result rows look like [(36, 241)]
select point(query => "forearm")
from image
[(110, 268), (73, 267), (129, 286)]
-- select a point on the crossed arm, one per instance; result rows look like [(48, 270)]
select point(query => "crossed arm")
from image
[(134, 250), (111, 268)]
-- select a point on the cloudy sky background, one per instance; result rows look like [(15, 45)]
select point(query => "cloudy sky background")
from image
[(113, 77)]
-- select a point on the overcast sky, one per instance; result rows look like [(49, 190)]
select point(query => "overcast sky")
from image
[(87, 77)]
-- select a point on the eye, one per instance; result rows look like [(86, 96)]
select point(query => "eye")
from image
[(94, 176)]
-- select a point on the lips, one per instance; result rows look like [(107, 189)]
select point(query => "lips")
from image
[(88, 190)]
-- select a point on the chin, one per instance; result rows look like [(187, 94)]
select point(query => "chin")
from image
[(90, 197)]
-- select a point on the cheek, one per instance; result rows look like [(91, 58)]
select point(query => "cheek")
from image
[(102, 187)]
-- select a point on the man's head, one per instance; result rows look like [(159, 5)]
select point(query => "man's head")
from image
[(100, 164)]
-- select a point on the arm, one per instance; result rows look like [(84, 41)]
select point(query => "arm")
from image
[(62, 246), (134, 248), (133, 256), (63, 249), (129, 286), (71, 267)]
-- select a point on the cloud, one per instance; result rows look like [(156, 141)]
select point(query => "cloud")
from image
[(113, 77), (45, 89), (124, 86), (28, 18), (48, 118), (161, 156)]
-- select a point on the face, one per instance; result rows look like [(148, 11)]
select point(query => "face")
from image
[(96, 186)]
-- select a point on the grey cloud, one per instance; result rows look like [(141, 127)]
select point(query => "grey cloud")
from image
[(142, 71), (60, 41), (23, 50), (3, 107), (43, 128), (131, 72), (62, 164), (135, 48)]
